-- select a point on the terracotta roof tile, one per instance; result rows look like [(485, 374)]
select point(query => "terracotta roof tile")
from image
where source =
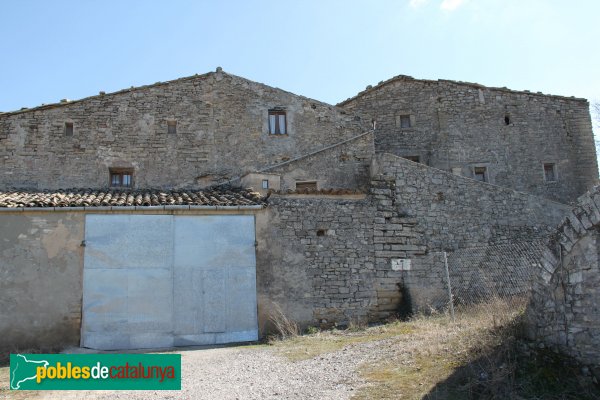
[(116, 197)]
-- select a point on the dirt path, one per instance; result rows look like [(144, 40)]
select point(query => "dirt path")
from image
[(255, 372)]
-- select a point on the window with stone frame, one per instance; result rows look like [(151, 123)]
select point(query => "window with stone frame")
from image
[(172, 127), (121, 177), (277, 122), (405, 121), (550, 172), (480, 174), (68, 129)]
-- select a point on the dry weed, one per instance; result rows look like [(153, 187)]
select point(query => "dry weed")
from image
[(285, 328)]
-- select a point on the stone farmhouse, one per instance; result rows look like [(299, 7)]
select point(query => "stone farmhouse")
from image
[(188, 212)]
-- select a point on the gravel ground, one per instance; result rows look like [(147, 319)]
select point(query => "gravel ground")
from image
[(257, 373)]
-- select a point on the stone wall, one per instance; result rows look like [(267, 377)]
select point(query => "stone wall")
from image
[(476, 274), (457, 126), (451, 212), (334, 259), (222, 133), (564, 311), (455, 212), (326, 260), (343, 166)]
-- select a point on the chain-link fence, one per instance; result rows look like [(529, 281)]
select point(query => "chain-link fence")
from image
[(466, 277)]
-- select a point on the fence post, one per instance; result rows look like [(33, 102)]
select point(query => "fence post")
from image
[(449, 288)]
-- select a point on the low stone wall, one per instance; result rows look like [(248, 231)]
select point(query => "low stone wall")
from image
[(476, 275), (455, 212), (330, 259), (326, 259), (448, 213), (564, 312)]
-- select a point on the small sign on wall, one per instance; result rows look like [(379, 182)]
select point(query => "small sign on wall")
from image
[(401, 264)]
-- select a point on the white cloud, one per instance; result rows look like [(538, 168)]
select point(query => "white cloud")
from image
[(451, 5), (418, 3)]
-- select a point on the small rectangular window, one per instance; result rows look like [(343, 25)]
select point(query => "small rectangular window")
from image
[(413, 158), (480, 174), (121, 177), (277, 122), (172, 127), (405, 121), (68, 129), (308, 186), (265, 184), (550, 172)]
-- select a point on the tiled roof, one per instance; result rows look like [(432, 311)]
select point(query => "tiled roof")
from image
[(118, 198)]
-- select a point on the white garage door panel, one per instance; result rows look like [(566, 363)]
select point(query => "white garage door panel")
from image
[(129, 241), (219, 241), (242, 283), (215, 299), (198, 288)]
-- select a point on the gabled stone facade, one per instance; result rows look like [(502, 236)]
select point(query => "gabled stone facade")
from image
[(221, 133), (529, 142)]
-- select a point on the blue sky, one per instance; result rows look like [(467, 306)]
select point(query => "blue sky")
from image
[(328, 50)]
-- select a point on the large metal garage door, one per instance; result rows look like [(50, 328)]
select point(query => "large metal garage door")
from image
[(161, 280)]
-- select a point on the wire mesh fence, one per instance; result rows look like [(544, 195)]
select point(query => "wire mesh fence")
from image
[(474, 276)]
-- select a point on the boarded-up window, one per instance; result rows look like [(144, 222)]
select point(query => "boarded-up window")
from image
[(121, 177), (306, 185), (68, 129), (277, 122), (550, 172), (480, 174)]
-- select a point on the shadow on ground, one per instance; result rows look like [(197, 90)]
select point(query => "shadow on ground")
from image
[(517, 371)]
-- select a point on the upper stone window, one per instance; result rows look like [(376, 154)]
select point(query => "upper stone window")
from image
[(172, 127), (68, 129), (121, 177), (480, 174), (507, 119), (403, 121), (550, 172), (277, 122)]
